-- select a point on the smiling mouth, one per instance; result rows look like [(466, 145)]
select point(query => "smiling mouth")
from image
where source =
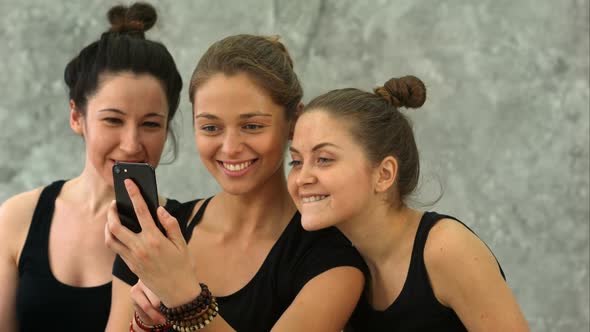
[(128, 161), (311, 199), (236, 167)]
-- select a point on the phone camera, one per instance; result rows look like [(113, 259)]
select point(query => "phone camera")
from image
[(117, 170)]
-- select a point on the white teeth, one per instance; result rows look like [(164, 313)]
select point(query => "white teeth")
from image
[(237, 167), (313, 198)]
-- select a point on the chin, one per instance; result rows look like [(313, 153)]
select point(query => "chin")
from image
[(237, 189), (311, 223)]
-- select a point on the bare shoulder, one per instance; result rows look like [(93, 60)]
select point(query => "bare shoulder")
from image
[(15, 218), (454, 256), (465, 276), (18, 209), (449, 239)]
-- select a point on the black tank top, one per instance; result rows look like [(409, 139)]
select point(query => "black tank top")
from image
[(416, 308), (296, 257), (43, 303)]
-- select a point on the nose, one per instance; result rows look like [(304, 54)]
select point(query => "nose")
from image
[(305, 176), (232, 143), (130, 141)]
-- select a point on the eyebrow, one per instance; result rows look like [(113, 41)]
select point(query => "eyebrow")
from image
[(242, 116), (206, 116), (317, 147), (114, 110), (254, 114)]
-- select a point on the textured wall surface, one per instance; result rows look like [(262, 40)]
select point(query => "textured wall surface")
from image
[(505, 129)]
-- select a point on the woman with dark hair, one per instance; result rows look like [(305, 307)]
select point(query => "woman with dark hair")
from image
[(355, 161), (55, 268), (248, 264)]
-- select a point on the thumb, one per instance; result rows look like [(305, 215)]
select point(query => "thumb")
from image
[(171, 226)]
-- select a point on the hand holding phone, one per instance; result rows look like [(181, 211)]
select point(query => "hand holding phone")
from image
[(144, 176)]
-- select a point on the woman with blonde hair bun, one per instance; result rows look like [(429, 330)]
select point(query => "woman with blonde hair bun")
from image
[(239, 260)]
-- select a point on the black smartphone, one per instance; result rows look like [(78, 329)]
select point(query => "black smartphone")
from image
[(144, 176)]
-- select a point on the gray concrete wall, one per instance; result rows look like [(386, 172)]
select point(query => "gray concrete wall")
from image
[(505, 129)]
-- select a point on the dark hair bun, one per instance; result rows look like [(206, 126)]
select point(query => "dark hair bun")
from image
[(407, 91), (140, 17)]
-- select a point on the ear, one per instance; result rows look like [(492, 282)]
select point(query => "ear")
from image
[(298, 112), (76, 119), (386, 174)]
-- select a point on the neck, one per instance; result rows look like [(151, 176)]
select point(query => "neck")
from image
[(377, 233), (89, 192), (260, 209)]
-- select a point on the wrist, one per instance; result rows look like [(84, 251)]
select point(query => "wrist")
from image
[(193, 315), (182, 295), (138, 325), (133, 327)]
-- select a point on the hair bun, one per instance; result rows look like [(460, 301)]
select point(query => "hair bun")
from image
[(408, 91), (275, 40), (140, 17)]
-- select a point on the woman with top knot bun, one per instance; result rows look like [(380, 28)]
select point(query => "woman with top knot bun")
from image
[(355, 161), (55, 268)]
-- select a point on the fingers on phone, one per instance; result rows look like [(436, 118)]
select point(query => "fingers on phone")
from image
[(163, 213), (115, 232), (171, 226), (112, 242), (139, 205), (112, 218)]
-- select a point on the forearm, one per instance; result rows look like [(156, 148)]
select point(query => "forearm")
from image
[(8, 279), (121, 307), (218, 324), (8, 321), (339, 288)]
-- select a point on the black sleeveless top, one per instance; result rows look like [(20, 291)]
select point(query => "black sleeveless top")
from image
[(42, 302), (416, 308), (297, 257)]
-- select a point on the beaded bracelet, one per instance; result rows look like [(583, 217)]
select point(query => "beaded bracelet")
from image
[(191, 309), (152, 328), (195, 320), (198, 322)]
